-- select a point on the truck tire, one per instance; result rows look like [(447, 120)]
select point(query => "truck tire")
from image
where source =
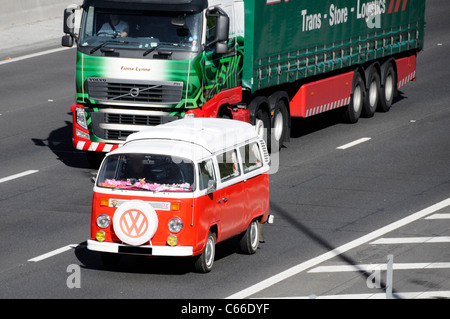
[(354, 109), (204, 262), (260, 118), (372, 97), (279, 124), (262, 126), (249, 242), (389, 89)]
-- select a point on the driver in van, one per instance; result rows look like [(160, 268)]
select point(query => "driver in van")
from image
[(115, 26)]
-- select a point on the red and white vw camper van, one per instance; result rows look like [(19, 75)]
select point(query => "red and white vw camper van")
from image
[(179, 188)]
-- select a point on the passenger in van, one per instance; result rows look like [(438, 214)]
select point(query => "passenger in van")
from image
[(114, 27)]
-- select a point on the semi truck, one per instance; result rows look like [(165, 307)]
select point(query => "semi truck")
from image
[(142, 63)]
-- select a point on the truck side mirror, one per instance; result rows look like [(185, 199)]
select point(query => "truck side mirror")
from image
[(67, 41), (220, 28), (69, 21), (69, 25), (223, 28)]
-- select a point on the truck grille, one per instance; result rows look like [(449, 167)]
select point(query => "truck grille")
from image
[(132, 119), (134, 92)]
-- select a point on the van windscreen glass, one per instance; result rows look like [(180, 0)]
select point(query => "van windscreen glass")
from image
[(147, 172)]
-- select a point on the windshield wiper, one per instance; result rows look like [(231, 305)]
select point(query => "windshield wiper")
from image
[(108, 42), (161, 44)]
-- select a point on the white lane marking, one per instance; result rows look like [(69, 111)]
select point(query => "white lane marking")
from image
[(439, 216), (337, 251), (12, 177), (412, 240), (29, 56), (351, 144), (371, 267), (53, 253), (397, 295)]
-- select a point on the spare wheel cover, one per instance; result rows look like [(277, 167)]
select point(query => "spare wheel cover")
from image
[(135, 222)]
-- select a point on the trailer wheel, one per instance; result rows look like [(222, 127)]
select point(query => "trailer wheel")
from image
[(249, 242), (388, 90), (372, 94), (354, 109), (204, 262)]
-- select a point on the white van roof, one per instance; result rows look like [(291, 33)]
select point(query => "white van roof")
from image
[(213, 134)]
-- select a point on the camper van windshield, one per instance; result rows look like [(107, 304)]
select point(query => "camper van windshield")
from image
[(148, 172), (144, 30)]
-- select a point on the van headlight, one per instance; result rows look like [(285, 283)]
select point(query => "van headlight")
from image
[(103, 221), (175, 225)]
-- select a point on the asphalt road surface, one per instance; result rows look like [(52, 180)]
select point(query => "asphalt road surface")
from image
[(339, 212)]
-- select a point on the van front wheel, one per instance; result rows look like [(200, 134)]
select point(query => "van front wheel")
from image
[(204, 262), (249, 242)]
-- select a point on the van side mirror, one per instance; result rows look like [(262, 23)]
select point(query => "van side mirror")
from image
[(212, 185)]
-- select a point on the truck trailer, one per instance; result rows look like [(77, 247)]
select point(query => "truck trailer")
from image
[(142, 63)]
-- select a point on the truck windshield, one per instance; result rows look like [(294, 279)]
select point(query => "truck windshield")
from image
[(147, 172), (141, 30)]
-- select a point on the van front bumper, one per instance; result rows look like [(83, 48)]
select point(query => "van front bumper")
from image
[(139, 250)]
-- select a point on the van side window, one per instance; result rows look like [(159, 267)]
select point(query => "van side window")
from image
[(251, 157), (206, 171), (228, 165)]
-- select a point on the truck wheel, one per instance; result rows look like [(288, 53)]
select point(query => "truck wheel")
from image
[(388, 90), (204, 262), (279, 124), (354, 109), (249, 242), (262, 126), (372, 94)]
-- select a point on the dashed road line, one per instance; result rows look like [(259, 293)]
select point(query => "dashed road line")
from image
[(12, 177), (354, 143), (53, 253)]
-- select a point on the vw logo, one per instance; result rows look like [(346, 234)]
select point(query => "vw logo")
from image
[(134, 92), (133, 223)]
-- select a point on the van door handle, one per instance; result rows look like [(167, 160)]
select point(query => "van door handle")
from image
[(223, 200)]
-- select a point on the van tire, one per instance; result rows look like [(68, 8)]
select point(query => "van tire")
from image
[(249, 242), (204, 262)]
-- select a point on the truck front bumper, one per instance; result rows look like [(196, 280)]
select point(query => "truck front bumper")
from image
[(176, 251)]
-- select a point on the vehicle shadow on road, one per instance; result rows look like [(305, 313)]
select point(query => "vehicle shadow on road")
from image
[(59, 142), (152, 265)]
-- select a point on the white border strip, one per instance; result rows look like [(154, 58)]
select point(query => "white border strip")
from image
[(370, 267), (337, 251), (439, 216), (12, 177), (412, 240), (361, 140), (401, 295)]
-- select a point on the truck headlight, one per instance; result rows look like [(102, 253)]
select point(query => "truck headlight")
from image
[(175, 225), (103, 221), (81, 118)]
